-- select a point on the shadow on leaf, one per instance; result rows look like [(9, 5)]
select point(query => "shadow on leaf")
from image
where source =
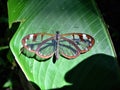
[(98, 72)]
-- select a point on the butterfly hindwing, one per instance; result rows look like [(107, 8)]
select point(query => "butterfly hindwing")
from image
[(46, 48), (68, 48)]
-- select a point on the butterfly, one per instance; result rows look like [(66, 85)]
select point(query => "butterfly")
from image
[(69, 45)]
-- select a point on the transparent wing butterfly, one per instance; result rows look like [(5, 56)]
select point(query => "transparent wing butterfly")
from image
[(69, 45)]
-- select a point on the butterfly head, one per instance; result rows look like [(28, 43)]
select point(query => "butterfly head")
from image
[(57, 32)]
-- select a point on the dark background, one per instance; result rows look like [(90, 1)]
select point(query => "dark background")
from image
[(110, 10)]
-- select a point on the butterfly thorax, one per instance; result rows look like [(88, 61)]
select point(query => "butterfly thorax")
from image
[(57, 38)]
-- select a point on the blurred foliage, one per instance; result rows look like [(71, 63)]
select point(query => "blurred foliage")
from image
[(9, 79)]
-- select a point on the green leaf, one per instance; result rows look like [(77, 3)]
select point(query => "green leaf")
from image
[(8, 84), (3, 47), (66, 16)]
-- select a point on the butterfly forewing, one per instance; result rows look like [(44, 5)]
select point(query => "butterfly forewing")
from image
[(31, 41), (83, 41)]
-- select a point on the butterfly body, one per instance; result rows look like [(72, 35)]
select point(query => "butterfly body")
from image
[(69, 45)]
